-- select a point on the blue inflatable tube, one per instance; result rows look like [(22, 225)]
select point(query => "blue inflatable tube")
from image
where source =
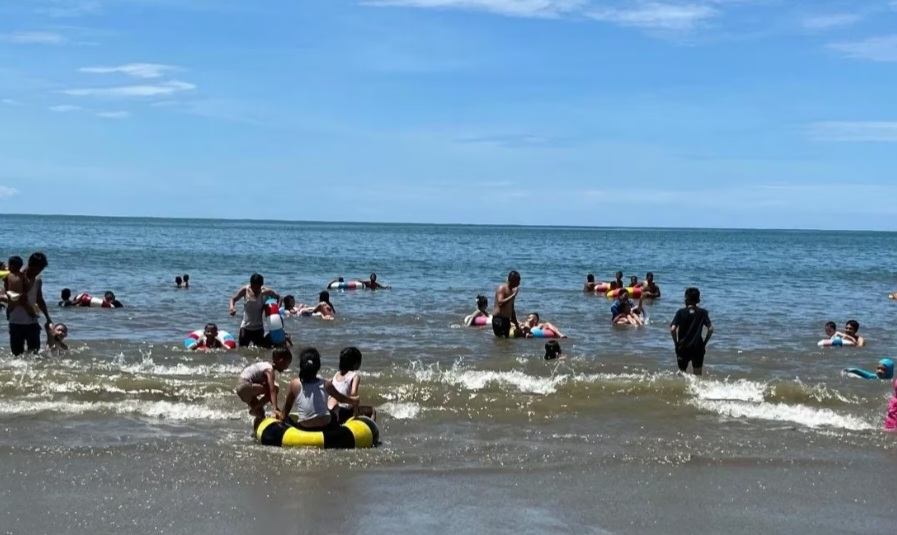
[(274, 322)]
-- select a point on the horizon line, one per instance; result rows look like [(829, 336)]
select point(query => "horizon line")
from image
[(417, 223)]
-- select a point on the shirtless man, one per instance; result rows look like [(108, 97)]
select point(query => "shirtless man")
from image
[(372, 284), (534, 322), (504, 315), (650, 290), (618, 281)]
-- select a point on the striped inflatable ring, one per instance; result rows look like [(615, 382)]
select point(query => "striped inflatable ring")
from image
[(835, 342), (479, 321), (358, 432), (223, 336), (346, 285)]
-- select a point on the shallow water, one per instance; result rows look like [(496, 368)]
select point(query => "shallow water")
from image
[(128, 432)]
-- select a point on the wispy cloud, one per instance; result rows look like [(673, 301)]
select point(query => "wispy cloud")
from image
[(7, 192), (65, 108), (883, 48), (136, 70), (156, 90), (876, 131), (658, 15), (113, 114), (512, 8), (831, 20), (11, 102), (68, 8), (33, 38)]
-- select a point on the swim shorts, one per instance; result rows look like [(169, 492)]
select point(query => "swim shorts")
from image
[(695, 356), (501, 327), (255, 337)]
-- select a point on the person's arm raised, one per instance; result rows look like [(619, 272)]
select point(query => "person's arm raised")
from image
[(233, 300)]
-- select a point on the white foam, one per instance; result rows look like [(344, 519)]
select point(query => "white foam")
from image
[(781, 412), (740, 390), (400, 410), (155, 409)]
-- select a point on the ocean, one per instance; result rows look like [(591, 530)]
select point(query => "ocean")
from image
[(128, 432)]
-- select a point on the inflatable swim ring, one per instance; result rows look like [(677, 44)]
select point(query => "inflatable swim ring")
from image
[(274, 322), (890, 296), (4, 273), (226, 339), (479, 321), (602, 287), (358, 432), (634, 291), (836, 342), (86, 300), (346, 285), (543, 333)]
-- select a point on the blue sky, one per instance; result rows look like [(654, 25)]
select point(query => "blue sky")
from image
[(721, 113)]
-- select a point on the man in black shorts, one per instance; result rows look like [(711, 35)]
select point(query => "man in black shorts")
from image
[(687, 329), (504, 315)]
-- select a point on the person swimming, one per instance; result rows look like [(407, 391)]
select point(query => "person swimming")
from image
[(532, 322), (590, 284), (553, 350), (884, 370), (324, 309)]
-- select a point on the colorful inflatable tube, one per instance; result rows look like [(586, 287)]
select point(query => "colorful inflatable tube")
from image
[(479, 321), (346, 285), (226, 339), (602, 287), (543, 333), (86, 300), (274, 322), (835, 342), (358, 432), (634, 292)]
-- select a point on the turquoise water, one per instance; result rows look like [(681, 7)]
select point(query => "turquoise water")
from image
[(771, 398)]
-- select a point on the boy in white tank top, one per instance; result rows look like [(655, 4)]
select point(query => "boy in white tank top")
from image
[(257, 385)]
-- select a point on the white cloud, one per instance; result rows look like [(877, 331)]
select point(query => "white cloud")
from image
[(34, 38), (832, 20), (113, 114), (878, 131), (137, 70), (513, 8), (160, 89), (11, 102), (658, 16), (6, 192), (882, 48), (67, 9), (65, 108)]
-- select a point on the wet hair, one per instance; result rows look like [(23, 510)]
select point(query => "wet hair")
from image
[(482, 301), (324, 297), (186, 277), (209, 326), (340, 279), (552, 349), (855, 324), (590, 278), (64, 326), (649, 274), (66, 294), (831, 324), (693, 295), (373, 276), (513, 275), (633, 279), (178, 280), (256, 279), (16, 263), (289, 298), (38, 260), (109, 296), (619, 274), (349, 359), (536, 314), (309, 363)]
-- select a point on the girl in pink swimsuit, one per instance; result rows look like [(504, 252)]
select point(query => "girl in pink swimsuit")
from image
[(891, 417)]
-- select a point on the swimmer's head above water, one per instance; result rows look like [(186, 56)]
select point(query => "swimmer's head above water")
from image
[(830, 328), (851, 327), (210, 331), (885, 369), (482, 302), (552, 350), (590, 278), (289, 302), (66, 294)]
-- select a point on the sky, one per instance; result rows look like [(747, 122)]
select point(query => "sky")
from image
[(666, 113)]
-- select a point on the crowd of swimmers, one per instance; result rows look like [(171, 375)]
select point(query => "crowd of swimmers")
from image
[(313, 403)]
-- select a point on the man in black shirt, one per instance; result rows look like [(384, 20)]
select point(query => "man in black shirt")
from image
[(687, 329)]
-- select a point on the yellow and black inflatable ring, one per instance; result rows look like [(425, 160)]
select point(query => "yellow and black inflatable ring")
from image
[(358, 432)]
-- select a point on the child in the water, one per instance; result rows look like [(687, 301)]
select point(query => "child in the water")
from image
[(891, 416), (553, 350), (346, 381), (884, 370), (65, 298), (482, 310), (831, 330), (56, 335)]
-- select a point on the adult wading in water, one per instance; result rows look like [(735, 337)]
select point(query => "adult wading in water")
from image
[(504, 315), (252, 328)]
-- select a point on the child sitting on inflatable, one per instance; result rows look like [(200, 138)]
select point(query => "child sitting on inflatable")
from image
[(210, 338), (533, 328), (481, 312), (257, 385), (346, 381), (308, 399), (884, 370)]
